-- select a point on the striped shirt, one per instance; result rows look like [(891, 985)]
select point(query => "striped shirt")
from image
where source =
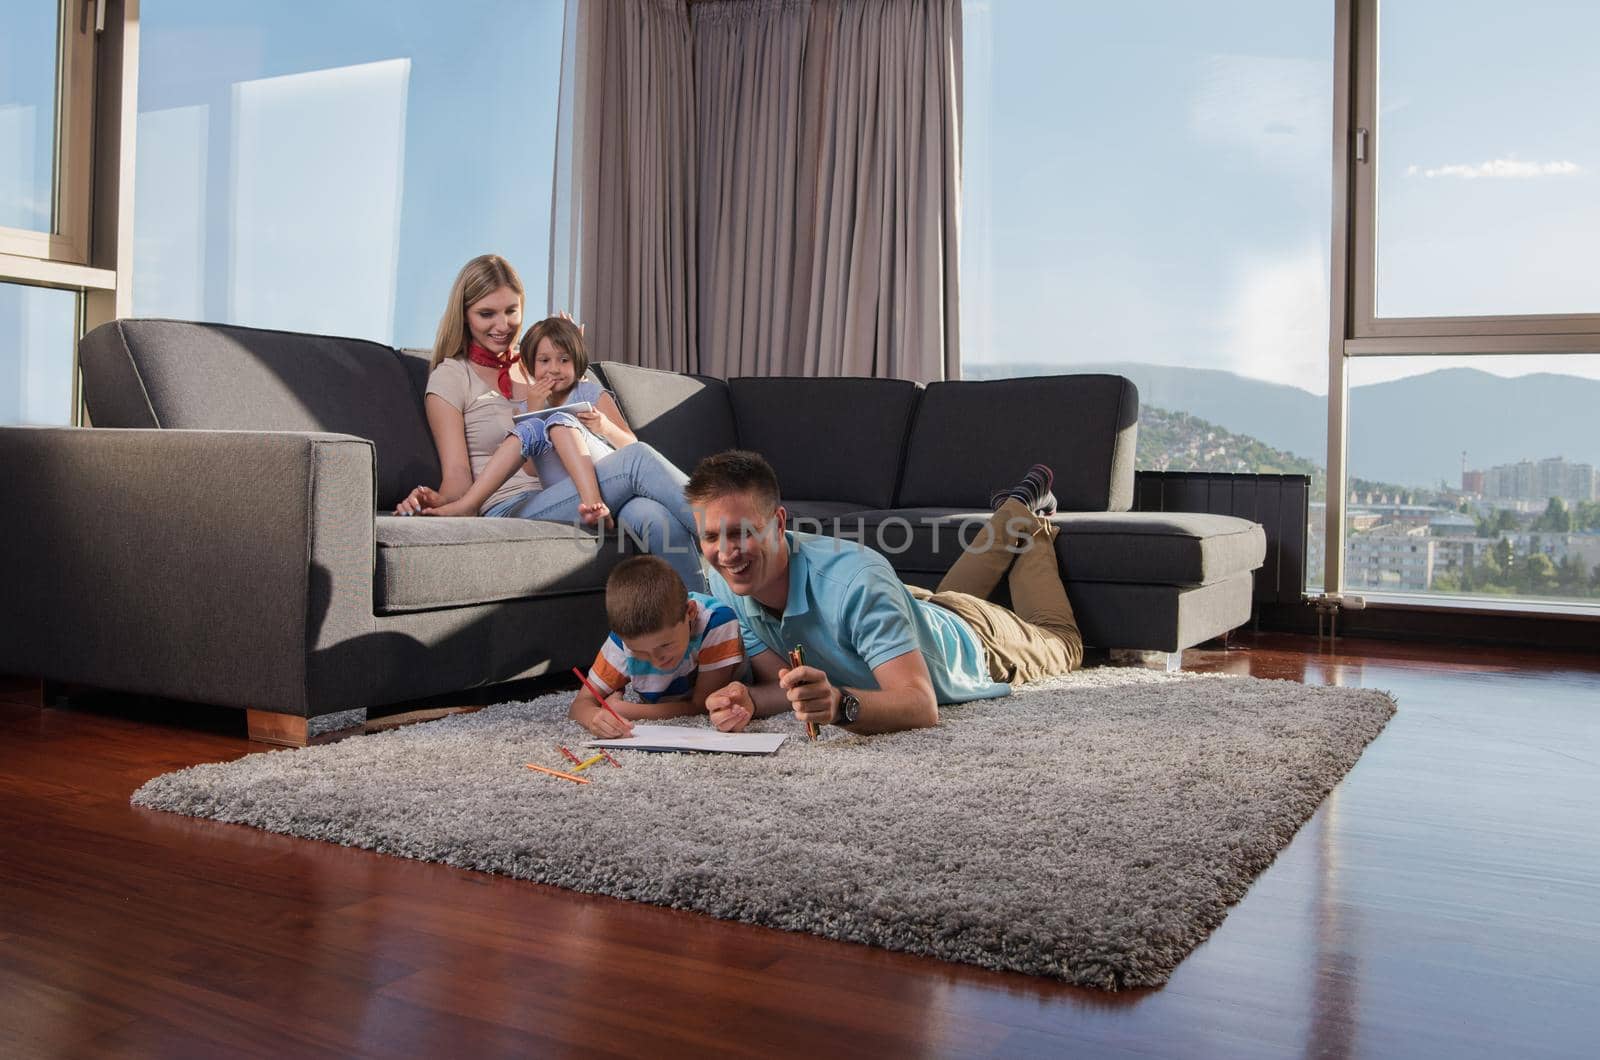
[(714, 643)]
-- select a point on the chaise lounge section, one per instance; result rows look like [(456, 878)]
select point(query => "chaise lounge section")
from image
[(220, 535)]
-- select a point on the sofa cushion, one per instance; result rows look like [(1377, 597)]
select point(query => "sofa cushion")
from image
[(426, 563), (173, 374), (828, 439), (685, 417), (972, 438), (1167, 548)]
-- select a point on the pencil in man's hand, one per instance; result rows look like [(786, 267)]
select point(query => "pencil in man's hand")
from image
[(797, 659)]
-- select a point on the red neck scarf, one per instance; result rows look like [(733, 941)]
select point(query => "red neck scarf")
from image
[(503, 362)]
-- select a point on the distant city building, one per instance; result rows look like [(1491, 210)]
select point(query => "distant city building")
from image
[(1472, 482), (1392, 557), (1530, 481)]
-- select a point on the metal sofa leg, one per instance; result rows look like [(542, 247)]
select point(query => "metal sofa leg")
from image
[(285, 730)]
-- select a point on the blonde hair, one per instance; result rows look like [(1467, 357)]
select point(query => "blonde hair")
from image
[(478, 278), (565, 335)]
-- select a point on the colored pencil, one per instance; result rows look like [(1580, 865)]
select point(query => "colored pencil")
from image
[(595, 692), (556, 773), (569, 756), (587, 762), (616, 764), (797, 659)]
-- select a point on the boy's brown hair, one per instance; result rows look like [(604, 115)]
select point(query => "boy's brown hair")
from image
[(734, 471), (564, 334), (644, 595)]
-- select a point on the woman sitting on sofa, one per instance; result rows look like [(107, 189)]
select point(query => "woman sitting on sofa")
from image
[(478, 383)]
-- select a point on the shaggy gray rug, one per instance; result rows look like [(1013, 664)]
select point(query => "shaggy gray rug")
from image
[(1094, 829)]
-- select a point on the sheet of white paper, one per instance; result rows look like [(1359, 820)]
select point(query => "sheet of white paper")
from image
[(679, 738)]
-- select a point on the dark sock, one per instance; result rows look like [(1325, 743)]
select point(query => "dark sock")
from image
[(1032, 491)]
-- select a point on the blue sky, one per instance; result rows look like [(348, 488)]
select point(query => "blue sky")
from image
[(1151, 181), (1147, 181), (300, 130)]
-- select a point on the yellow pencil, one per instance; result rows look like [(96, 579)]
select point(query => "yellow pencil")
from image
[(556, 773), (587, 762)]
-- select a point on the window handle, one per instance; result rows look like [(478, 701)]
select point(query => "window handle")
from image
[(1361, 145)]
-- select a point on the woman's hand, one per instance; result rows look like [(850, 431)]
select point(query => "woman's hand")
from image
[(564, 315), (418, 501)]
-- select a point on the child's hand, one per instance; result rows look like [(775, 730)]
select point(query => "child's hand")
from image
[(601, 723), (452, 509), (596, 422), (539, 392)]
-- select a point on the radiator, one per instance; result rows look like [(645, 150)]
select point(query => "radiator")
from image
[(1280, 503)]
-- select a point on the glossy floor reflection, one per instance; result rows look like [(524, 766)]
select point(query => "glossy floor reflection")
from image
[(1443, 901)]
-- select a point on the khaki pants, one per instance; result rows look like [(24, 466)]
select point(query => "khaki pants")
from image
[(1040, 637)]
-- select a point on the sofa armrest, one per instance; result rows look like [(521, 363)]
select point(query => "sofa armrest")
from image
[(200, 565)]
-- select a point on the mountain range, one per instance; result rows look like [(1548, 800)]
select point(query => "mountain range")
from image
[(1409, 432)]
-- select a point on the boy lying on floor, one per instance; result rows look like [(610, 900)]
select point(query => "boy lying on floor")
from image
[(673, 646)]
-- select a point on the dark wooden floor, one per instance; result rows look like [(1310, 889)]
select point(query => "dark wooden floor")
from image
[(1444, 901)]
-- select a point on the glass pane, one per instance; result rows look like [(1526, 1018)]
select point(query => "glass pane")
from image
[(28, 114), (329, 168), (1146, 192), (1488, 149), (1474, 478), (38, 331)]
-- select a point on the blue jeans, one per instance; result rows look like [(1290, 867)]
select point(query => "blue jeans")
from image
[(644, 492)]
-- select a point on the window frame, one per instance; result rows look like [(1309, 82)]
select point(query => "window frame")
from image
[(68, 241), (1355, 329), (1368, 333)]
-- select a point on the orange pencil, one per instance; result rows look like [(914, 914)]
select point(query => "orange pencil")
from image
[(556, 773), (797, 659)]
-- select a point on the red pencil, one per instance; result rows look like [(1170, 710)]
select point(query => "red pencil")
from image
[(595, 692)]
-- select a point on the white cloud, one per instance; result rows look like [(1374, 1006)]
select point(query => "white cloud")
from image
[(1276, 327), (1499, 169)]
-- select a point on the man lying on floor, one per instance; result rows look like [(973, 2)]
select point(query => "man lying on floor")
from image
[(880, 656)]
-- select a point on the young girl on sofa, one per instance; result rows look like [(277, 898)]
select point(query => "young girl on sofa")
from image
[(477, 383)]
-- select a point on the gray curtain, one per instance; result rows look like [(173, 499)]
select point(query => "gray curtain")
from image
[(821, 180), (830, 195), (623, 230)]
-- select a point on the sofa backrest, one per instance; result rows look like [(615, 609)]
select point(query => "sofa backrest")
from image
[(971, 438), (828, 439), (685, 417), (180, 375)]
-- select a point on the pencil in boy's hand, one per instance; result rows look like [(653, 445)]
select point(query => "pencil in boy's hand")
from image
[(595, 692), (797, 659)]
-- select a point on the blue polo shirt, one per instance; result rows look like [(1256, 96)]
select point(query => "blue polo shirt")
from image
[(851, 612)]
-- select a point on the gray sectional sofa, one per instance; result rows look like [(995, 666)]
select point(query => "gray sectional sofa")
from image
[(220, 534)]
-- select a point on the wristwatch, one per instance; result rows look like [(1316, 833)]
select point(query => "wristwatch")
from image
[(849, 708)]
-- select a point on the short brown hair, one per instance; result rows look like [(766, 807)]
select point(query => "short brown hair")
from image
[(565, 335), (643, 595), (734, 471)]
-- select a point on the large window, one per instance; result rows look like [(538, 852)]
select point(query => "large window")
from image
[(1146, 191), (38, 330), (46, 117), (1473, 306), (329, 167)]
